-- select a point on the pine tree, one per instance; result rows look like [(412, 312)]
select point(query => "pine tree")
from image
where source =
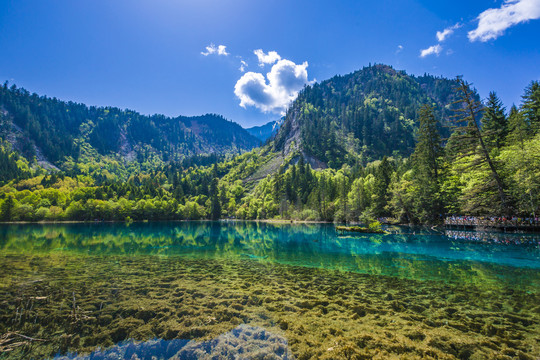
[(215, 206), (518, 128), (426, 164), (531, 106), (383, 176), (494, 122)]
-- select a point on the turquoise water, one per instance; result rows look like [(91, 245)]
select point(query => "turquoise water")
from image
[(42, 262), (314, 245)]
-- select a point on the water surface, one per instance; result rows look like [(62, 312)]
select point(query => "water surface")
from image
[(278, 290)]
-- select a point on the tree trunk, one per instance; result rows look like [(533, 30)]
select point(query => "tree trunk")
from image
[(470, 109)]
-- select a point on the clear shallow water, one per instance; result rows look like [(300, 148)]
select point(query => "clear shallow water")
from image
[(407, 252), (302, 282)]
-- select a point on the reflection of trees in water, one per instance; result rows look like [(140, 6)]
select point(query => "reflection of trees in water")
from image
[(403, 255), (151, 238)]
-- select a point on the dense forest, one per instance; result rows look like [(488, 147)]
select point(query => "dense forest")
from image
[(461, 156), (364, 116), (55, 130)]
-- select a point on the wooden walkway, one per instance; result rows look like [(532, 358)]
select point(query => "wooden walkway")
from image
[(500, 224)]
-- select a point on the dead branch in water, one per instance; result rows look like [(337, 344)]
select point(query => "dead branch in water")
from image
[(8, 343)]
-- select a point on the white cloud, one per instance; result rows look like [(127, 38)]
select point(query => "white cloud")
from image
[(442, 35), (213, 49), (399, 49), (269, 58), (432, 50), (275, 92), (493, 22), (243, 66)]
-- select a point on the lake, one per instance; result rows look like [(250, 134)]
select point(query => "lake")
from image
[(211, 290)]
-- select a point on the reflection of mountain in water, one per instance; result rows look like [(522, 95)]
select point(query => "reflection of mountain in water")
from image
[(243, 342)]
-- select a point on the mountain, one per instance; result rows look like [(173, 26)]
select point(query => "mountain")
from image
[(362, 116), (52, 130), (266, 131), (358, 117), (342, 154)]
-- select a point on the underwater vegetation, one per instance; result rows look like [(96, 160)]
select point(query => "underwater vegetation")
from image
[(205, 291)]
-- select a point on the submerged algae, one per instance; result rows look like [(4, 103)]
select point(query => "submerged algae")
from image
[(80, 303)]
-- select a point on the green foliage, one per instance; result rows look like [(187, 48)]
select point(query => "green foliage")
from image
[(11, 167), (363, 116), (375, 226), (471, 145), (522, 169), (7, 208), (463, 175), (426, 160), (531, 106), (519, 129), (494, 122), (64, 130)]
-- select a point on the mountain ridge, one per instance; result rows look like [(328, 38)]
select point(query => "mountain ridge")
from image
[(59, 129), (357, 117)]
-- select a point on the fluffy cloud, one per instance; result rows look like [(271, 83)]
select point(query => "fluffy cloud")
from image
[(269, 58), (275, 92), (399, 49), (213, 49), (442, 35), (493, 22), (432, 50)]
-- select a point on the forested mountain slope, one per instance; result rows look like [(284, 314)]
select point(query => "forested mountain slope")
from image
[(53, 129), (363, 116), (398, 160)]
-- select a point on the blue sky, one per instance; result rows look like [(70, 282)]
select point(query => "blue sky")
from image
[(152, 56)]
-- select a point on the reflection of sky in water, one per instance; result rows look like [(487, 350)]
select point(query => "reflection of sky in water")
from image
[(243, 342)]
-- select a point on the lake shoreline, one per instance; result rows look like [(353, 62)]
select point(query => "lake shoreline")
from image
[(270, 221)]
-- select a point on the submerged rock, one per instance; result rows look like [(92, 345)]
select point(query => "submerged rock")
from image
[(243, 342)]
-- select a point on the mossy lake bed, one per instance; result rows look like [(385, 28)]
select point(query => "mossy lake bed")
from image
[(268, 291)]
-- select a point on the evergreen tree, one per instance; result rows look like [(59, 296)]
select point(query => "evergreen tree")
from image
[(215, 206), (383, 176), (518, 128), (531, 106), (426, 165), (494, 122), (6, 211)]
